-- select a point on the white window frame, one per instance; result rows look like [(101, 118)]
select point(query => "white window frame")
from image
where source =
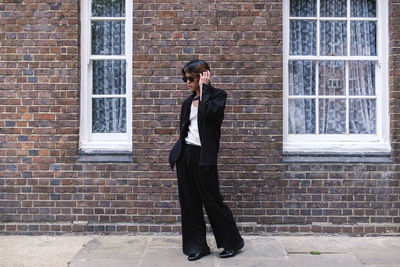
[(88, 141), (346, 143)]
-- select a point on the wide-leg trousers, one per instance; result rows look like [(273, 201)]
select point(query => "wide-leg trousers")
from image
[(198, 186)]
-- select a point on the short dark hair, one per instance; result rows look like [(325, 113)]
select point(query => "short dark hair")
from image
[(195, 66)]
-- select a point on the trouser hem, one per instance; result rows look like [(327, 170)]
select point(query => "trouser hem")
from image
[(205, 249)]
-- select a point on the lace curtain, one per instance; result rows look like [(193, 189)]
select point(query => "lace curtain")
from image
[(331, 73), (108, 76)]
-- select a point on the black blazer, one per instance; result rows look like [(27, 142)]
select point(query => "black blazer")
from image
[(209, 118)]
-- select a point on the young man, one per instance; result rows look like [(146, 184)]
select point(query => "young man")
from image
[(195, 155)]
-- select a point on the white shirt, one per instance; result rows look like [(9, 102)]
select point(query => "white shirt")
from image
[(193, 136)]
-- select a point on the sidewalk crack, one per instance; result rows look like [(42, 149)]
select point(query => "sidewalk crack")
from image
[(149, 239)]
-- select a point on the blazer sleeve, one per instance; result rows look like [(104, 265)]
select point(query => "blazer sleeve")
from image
[(212, 105), (177, 148), (181, 118)]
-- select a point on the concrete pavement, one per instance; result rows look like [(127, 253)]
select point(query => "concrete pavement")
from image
[(165, 250)]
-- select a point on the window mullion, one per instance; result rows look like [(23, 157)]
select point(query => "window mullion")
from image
[(347, 69), (90, 91), (107, 57), (347, 96), (317, 97), (318, 30), (348, 29), (333, 19), (109, 96), (363, 97), (331, 97), (107, 18), (317, 71), (364, 19), (350, 58)]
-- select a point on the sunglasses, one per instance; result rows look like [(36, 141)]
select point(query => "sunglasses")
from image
[(190, 78)]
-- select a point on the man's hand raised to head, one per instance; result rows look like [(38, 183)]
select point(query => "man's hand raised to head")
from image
[(204, 78)]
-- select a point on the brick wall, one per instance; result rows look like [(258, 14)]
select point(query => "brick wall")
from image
[(43, 189)]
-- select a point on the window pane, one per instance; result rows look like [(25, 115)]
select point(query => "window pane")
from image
[(108, 8), (362, 116), (333, 8), (363, 38), (332, 116), (303, 8), (363, 8), (332, 79), (301, 77), (109, 115), (302, 37), (108, 37), (362, 78), (109, 77), (302, 116), (333, 38)]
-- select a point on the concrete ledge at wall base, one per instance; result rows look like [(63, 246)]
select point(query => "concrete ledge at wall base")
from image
[(105, 156), (83, 227), (373, 158)]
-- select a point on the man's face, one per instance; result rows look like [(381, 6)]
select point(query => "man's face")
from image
[(192, 81)]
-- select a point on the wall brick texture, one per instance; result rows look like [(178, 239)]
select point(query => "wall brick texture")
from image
[(43, 189)]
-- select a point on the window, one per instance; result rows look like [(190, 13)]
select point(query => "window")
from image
[(106, 80), (335, 76)]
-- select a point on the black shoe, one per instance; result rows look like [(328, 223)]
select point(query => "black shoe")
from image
[(198, 254), (227, 253)]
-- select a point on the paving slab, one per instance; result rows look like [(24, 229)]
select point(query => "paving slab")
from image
[(254, 262), (259, 247), (106, 263), (305, 244), (157, 257), (328, 260), (32, 251), (383, 251), (111, 251), (165, 241)]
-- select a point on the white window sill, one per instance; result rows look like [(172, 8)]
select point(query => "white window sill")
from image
[(323, 152), (105, 156), (109, 145), (105, 151)]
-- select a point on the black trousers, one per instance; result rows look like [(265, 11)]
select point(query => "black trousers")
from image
[(199, 186)]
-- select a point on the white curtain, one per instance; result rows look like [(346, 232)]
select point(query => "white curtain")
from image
[(332, 81), (108, 38), (301, 82), (332, 112), (302, 73)]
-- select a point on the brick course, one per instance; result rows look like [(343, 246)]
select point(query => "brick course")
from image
[(43, 189)]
